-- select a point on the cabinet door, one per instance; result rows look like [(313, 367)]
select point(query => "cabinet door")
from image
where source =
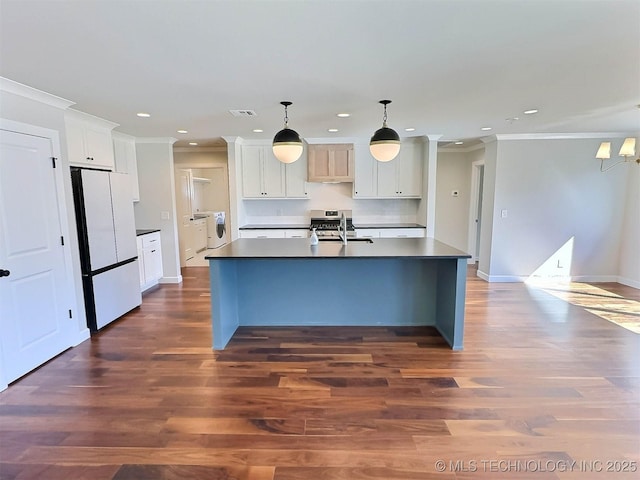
[(75, 141), (124, 152), (410, 171), (388, 178), (296, 178), (331, 163), (273, 174), (365, 178), (152, 264), (252, 172), (98, 145)]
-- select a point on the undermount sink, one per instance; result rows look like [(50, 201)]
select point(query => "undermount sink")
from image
[(349, 240)]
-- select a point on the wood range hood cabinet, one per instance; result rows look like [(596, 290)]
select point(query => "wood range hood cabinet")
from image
[(332, 163)]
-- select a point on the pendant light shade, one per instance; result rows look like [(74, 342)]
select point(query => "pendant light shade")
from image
[(385, 143), (287, 146)]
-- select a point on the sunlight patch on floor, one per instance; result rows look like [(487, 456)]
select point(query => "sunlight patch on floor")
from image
[(610, 306)]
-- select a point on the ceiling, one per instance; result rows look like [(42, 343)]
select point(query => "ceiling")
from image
[(451, 67)]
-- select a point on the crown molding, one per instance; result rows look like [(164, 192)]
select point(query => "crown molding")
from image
[(562, 136), (167, 140), (92, 118), (16, 88), (220, 149), (472, 148)]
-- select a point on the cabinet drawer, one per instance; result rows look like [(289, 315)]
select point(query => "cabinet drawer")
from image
[(402, 233), (150, 239), (266, 233), (296, 233)]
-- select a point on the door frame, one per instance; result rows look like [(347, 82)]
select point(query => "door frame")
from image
[(76, 334), (474, 203)]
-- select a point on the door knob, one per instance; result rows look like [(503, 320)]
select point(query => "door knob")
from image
[(4, 273)]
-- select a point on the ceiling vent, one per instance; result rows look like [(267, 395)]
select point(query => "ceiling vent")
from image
[(243, 113)]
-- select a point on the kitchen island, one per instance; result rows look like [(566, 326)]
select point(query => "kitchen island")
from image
[(285, 282)]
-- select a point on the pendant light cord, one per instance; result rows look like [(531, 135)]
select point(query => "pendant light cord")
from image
[(384, 116), (286, 117)]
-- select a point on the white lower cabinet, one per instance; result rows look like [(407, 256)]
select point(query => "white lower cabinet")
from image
[(200, 234), (266, 233), (275, 233), (390, 232), (149, 260), (402, 232)]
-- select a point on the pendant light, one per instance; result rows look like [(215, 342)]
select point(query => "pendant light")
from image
[(385, 143), (287, 146)]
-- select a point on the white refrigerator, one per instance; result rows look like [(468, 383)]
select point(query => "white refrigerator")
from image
[(107, 242)]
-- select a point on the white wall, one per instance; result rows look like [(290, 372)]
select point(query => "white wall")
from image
[(452, 213), (25, 110), (157, 205), (553, 192)]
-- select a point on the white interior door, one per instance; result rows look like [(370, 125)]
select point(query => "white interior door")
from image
[(184, 195), (34, 298)]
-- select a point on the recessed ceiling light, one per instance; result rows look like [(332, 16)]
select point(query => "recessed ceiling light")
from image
[(343, 115), (410, 129), (193, 143), (182, 131), (530, 112), (486, 128), (257, 130), (332, 130), (143, 114), (459, 143)]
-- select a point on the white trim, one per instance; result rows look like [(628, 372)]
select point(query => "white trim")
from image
[(472, 232), (81, 337), (482, 275), (177, 279), (560, 136), (167, 140), (629, 282), (220, 149), (122, 136), (452, 149), (91, 118), (26, 91)]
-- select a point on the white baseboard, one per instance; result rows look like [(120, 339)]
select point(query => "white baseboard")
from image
[(577, 278), (177, 279), (80, 337), (629, 282)]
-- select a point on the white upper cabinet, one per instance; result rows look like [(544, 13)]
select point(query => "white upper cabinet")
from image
[(365, 183), (264, 176), (89, 140), (124, 149), (296, 178), (398, 178)]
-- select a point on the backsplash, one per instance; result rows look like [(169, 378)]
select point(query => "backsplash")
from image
[(330, 196)]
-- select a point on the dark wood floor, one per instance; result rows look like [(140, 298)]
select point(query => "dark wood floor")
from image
[(541, 383)]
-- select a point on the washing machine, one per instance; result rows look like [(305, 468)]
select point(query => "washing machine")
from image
[(216, 229)]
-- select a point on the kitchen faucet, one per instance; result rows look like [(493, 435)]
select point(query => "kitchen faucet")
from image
[(342, 228)]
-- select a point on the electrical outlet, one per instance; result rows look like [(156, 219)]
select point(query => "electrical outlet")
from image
[(164, 215), (504, 213)]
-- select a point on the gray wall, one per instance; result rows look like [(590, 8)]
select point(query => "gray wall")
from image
[(157, 205), (553, 193), (452, 213)]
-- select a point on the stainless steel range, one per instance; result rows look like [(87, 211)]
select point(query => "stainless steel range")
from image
[(327, 222)]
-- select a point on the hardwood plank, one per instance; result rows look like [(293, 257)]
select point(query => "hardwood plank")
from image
[(542, 378)]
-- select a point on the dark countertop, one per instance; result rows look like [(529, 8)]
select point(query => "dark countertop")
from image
[(387, 225), (146, 231), (255, 226), (306, 227), (300, 248)]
